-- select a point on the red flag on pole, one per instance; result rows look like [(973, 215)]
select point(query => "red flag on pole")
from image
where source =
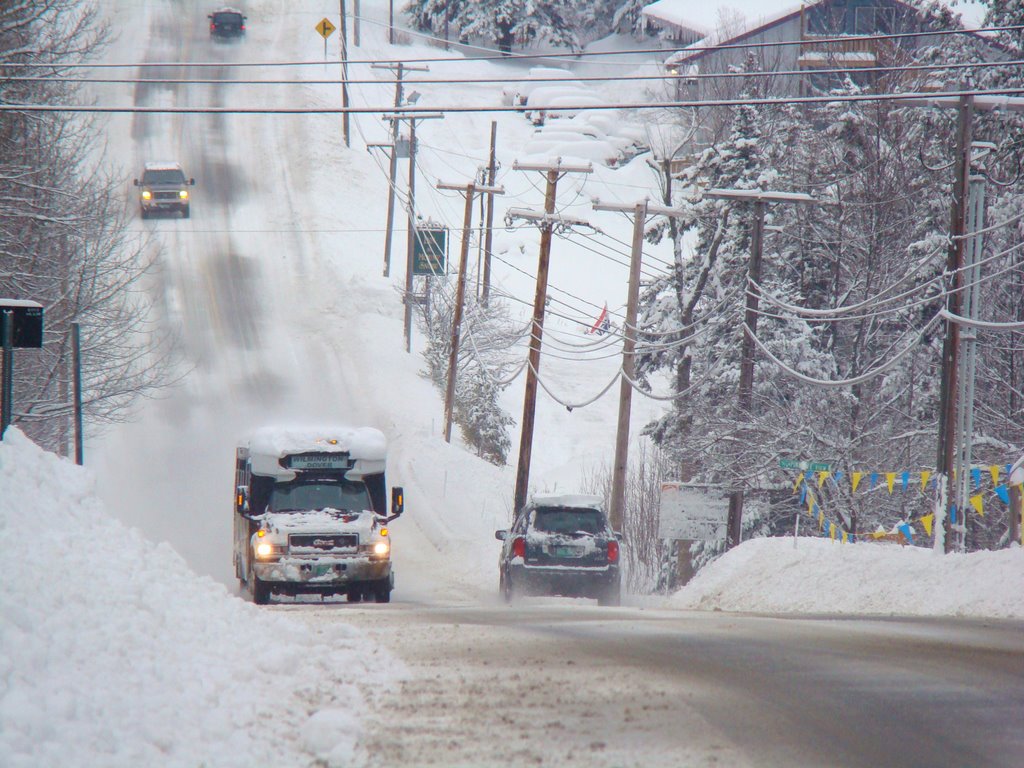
[(600, 319)]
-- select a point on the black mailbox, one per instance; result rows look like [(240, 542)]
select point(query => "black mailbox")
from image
[(26, 320)]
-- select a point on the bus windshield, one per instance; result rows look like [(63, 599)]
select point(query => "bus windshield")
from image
[(302, 497)]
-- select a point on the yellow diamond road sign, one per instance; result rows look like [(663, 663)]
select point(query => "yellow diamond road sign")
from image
[(325, 28)]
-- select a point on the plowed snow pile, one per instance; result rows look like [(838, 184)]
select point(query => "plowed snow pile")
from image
[(113, 653)]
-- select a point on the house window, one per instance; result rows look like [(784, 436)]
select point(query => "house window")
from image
[(874, 21)]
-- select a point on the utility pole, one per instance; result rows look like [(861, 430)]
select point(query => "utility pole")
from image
[(745, 393), (469, 190), (400, 69), (344, 74), (492, 169), (391, 22), (410, 241), (946, 454), (640, 212), (553, 172), (7, 382), (76, 362), (355, 23), (947, 442)]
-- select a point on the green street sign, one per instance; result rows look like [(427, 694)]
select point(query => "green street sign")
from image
[(429, 256), (806, 466)]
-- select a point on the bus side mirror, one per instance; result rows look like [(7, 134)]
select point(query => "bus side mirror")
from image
[(191, 182), (135, 182), (397, 502)]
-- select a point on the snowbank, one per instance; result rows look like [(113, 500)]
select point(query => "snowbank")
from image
[(822, 576), (113, 653)]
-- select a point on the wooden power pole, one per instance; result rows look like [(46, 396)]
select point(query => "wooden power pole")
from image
[(553, 172), (344, 74), (745, 393), (492, 169), (469, 190)]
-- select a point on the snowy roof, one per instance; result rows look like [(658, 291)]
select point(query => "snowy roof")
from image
[(19, 303), (567, 500), (358, 442), (715, 22), (735, 16), (163, 166)]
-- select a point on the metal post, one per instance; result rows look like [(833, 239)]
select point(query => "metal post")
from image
[(355, 23), (391, 22), (968, 360), (7, 382), (76, 362)]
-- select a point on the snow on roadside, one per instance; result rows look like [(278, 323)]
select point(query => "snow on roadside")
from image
[(113, 653), (822, 576)]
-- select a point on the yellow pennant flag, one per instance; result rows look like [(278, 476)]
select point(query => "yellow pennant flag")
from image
[(926, 521), (821, 478), (845, 535), (810, 505), (799, 479), (976, 502), (855, 480), (877, 534), (994, 471), (821, 519), (890, 478), (926, 475), (832, 532)]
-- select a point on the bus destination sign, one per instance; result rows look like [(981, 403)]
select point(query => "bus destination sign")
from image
[(320, 461)]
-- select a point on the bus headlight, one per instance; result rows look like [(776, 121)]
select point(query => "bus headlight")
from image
[(264, 549), (381, 548)]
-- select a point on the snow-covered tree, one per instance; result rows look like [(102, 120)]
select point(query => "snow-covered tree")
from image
[(506, 23), (63, 235)]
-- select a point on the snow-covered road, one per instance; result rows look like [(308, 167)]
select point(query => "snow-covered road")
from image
[(569, 684)]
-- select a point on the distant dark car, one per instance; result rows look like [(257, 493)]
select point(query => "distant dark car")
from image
[(560, 545), (227, 22), (163, 187)]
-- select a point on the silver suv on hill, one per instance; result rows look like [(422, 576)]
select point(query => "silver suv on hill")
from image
[(163, 187)]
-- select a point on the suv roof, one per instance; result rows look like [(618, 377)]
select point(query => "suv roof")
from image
[(580, 500), (162, 167)]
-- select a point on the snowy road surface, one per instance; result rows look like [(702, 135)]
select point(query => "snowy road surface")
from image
[(570, 684)]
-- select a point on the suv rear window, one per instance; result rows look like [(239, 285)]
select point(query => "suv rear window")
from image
[(227, 17), (567, 520), (163, 176)]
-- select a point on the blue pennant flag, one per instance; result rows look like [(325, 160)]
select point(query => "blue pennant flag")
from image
[(1008, 468), (837, 476), (905, 477), (803, 494), (907, 531), (874, 479), (1003, 494), (952, 513), (976, 476)]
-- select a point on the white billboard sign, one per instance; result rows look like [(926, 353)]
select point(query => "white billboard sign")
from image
[(693, 512)]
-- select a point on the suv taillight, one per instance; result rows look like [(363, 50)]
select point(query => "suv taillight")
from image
[(519, 547), (613, 551)]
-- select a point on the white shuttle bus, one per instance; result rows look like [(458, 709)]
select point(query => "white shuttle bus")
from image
[(311, 513)]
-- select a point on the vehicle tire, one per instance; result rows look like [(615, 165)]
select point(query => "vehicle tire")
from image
[(610, 595), (355, 595), (184, 212), (260, 591), (508, 590), (144, 212), (382, 592)]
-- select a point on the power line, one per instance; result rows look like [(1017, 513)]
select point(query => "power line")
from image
[(509, 57), (900, 68), (412, 111)]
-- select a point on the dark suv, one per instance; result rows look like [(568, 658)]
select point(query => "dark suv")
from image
[(163, 188), (227, 22), (560, 545)]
